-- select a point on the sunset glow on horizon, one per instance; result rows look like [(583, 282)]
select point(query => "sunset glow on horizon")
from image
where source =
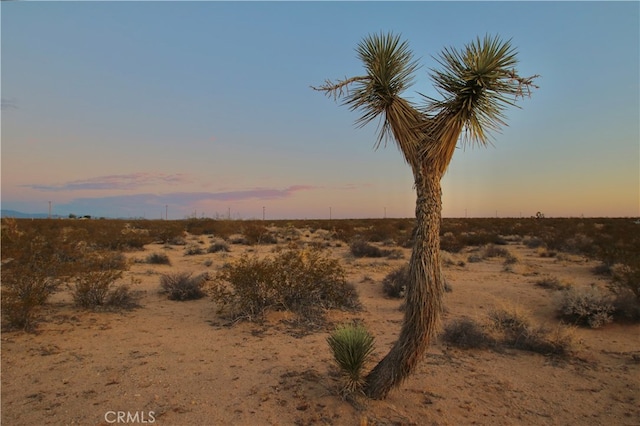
[(139, 109)]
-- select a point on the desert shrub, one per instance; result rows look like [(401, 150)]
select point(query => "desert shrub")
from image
[(545, 252), (394, 254), (474, 258), (481, 238), (352, 346), (509, 327), (183, 286), (515, 329), (165, 231), (450, 243), (238, 239), (177, 240), (33, 264), (218, 246), (121, 297), (626, 277), (544, 341), (94, 289), (158, 259), (492, 251), (23, 295), (533, 242), (395, 283), (450, 260), (626, 306), (38, 257), (511, 320), (466, 333), (258, 234), (552, 283), (361, 248), (511, 259), (193, 249), (586, 306), (625, 285), (579, 244), (603, 269), (304, 281)]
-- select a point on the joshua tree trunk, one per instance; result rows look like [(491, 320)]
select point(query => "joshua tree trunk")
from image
[(476, 84), (424, 293)]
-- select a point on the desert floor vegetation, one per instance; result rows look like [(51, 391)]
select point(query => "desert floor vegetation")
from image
[(503, 339)]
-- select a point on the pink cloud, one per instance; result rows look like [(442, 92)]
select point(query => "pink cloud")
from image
[(110, 182)]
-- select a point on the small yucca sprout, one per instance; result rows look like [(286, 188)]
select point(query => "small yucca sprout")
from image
[(352, 347)]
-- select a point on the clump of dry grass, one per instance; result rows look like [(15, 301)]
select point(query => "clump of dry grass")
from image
[(193, 249), (158, 259), (466, 333), (395, 283), (517, 330), (553, 283), (183, 286), (218, 246), (509, 326), (491, 250)]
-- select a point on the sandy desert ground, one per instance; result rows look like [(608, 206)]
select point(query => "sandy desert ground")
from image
[(178, 363)]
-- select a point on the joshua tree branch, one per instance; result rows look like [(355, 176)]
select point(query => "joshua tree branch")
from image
[(337, 90), (525, 84)]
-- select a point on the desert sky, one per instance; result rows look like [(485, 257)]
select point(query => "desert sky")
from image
[(139, 109)]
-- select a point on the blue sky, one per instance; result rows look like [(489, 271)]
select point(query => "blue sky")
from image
[(124, 109)]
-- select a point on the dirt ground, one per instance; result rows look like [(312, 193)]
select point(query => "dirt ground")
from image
[(178, 363)]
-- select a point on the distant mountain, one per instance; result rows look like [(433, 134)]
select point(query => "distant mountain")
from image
[(21, 215)]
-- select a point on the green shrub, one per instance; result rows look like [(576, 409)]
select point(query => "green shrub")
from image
[(586, 306), (304, 281), (158, 259), (183, 286), (352, 347)]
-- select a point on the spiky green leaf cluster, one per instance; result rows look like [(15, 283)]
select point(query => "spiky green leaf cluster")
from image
[(477, 83), (352, 346)]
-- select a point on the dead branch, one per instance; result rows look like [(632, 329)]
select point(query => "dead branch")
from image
[(337, 90)]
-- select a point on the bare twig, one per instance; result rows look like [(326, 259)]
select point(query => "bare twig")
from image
[(525, 84), (337, 90)]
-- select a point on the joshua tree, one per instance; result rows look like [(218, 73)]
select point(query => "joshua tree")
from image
[(476, 85)]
